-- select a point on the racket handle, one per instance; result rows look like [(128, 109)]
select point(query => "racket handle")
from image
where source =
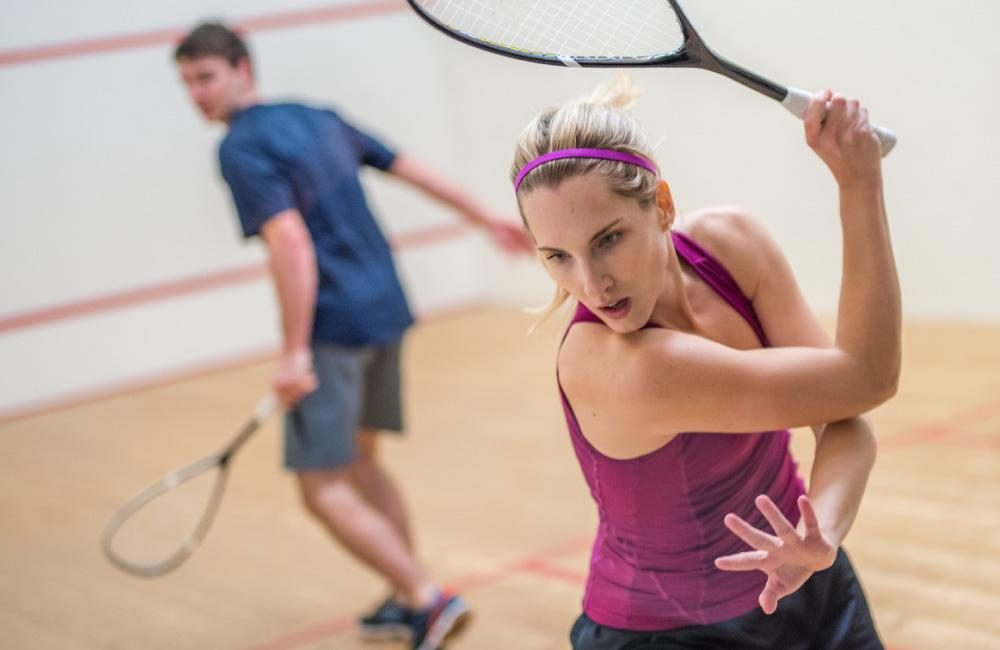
[(265, 407), (796, 101)]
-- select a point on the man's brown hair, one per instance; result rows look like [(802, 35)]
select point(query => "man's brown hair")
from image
[(212, 39)]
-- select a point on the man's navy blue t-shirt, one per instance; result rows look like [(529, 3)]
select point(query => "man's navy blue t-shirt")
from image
[(281, 156)]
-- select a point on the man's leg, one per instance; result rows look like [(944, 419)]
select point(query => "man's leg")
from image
[(320, 447), (377, 487), (428, 615), (368, 534)]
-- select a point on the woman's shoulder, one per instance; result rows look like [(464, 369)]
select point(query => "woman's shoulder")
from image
[(734, 237), (594, 360), (725, 231), (621, 386), (586, 348)]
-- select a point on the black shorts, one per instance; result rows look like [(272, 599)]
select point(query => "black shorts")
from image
[(829, 612)]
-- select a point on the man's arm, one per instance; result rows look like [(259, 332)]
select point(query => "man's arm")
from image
[(508, 235), (293, 268)]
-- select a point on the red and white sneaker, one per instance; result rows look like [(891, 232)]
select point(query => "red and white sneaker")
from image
[(442, 621)]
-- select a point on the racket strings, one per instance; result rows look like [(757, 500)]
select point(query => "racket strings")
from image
[(574, 28), (170, 525)]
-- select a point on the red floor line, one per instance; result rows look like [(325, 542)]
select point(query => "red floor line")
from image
[(469, 582), (558, 551), (170, 36), (945, 427), (310, 634), (475, 580), (558, 573), (534, 564), (472, 581), (971, 440), (531, 564)]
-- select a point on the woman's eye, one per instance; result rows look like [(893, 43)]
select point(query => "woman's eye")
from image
[(608, 239), (556, 257)]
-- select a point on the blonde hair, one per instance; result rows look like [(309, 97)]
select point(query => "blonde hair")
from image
[(596, 122)]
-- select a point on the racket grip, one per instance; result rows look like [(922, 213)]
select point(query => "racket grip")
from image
[(265, 407), (796, 102)]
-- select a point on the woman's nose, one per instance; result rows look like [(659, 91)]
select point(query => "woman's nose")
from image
[(595, 282)]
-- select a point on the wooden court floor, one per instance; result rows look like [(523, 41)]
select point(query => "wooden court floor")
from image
[(499, 506)]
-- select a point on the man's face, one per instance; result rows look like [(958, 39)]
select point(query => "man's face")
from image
[(215, 86)]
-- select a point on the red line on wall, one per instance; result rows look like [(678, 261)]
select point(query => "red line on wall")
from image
[(138, 383), (170, 36), (231, 277), (333, 14), (186, 286), (134, 297), (429, 236), (173, 375)]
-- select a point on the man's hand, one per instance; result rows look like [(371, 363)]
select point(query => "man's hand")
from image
[(509, 236), (294, 378)]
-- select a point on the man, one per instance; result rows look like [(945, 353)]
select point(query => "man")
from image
[(293, 173)]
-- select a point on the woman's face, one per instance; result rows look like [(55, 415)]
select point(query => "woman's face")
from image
[(605, 250)]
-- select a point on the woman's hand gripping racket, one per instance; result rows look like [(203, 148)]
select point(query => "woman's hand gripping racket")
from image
[(161, 526), (600, 33)]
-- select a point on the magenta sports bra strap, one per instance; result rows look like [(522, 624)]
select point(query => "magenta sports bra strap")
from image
[(711, 271)]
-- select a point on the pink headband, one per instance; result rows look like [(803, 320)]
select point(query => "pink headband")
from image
[(602, 154)]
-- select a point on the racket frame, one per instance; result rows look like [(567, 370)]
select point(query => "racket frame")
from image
[(172, 480), (692, 53)]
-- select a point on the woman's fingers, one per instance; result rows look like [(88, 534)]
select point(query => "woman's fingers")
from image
[(758, 539), (809, 519), (814, 116), (768, 599), (836, 116), (745, 561), (779, 524)]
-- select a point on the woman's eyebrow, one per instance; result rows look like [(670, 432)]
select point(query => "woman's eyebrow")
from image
[(605, 229)]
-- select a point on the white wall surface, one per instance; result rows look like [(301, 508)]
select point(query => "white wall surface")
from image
[(928, 70), (109, 179), (110, 183)]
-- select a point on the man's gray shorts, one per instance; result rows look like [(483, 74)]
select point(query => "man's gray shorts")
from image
[(358, 388)]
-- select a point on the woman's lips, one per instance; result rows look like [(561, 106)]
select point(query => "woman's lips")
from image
[(618, 309)]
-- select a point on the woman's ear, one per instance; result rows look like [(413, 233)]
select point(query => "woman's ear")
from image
[(665, 202)]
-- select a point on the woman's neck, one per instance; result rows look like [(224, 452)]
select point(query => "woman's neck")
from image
[(673, 309)]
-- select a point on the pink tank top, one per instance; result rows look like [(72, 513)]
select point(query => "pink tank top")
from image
[(660, 515)]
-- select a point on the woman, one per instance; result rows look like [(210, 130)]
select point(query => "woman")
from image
[(708, 540)]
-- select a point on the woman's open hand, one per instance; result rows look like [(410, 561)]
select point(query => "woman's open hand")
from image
[(788, 557)]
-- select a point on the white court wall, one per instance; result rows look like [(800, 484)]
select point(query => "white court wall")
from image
[(110, 185), (931, 71), (109, 181)]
